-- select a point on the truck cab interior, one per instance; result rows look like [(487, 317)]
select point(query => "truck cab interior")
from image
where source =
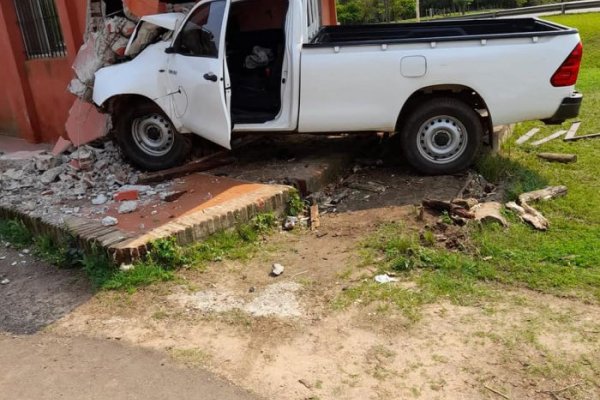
[(255, 52)]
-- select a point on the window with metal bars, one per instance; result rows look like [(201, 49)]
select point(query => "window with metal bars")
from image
[(40, 28)]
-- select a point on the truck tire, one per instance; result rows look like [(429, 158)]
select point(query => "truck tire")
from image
[(441, 136), (148, 138)]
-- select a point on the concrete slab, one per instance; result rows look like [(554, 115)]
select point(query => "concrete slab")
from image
[(208, 204), (307, 162)]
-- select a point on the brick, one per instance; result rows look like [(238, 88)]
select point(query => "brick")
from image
[(128, 195)]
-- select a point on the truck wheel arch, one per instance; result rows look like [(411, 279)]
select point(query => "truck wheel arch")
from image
[(460, 92)]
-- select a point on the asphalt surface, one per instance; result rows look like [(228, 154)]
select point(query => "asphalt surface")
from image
[(35, 365)]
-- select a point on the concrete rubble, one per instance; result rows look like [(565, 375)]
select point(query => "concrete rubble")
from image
[(84, 183)]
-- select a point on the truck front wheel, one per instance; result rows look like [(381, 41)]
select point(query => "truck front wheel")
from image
[(148, 138), (441, 136)]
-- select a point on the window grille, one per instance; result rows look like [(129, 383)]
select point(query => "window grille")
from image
[(40, 28)]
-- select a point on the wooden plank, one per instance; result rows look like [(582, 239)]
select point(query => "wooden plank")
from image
[(527, 136), (593, 135), (549, 138), (558, 157), (572, 130), (209, 162)]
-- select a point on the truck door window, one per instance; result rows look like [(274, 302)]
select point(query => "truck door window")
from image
[(201, 34)]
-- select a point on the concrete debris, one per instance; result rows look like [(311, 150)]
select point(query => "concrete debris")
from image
[(44, 162), (51, 175), (4, 281), (109, 221), (99, 200), (170, 197), (277, 269), (477, 187), (290, 223), (128, 207), (63, 190), (385, 278)]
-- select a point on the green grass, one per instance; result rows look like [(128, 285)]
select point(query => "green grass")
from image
[(564, 261), (15, 232), (439, 274), (159, 265)]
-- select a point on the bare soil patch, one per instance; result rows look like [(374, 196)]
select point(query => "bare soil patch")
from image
[(35, 294), (518, 343)]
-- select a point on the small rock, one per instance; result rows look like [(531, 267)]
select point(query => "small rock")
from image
[(385, 279), (99, 200), (290, 223), (128, 207), (5, 281), (44, 162), (277, 269), (171, 196), (51, 175), (252, 289), (110, 221), (126, 267), (305, 383), (15, 175)]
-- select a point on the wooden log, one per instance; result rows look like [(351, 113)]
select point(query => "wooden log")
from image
[(549, 138), (453, 209), (548, 193), (527, 136), (530, 215), (572, 130), (558, 157), (203, 164), (592, 136), (315, 220), (437, 205)]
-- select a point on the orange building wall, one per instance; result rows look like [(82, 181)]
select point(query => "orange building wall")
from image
[(48, 79)]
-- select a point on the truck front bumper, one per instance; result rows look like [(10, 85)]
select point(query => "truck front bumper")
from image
[(569, 108)]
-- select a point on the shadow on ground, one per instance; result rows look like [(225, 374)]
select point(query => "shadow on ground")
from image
[(34, 294)]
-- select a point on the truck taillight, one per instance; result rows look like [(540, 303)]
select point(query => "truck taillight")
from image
[(566, 74)]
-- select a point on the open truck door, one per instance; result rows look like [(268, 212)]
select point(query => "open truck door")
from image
[(197, 76)]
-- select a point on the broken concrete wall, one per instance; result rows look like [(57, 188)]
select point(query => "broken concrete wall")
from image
[(110, 25)]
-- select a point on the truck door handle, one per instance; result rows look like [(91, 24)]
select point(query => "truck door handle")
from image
[(211, 77)]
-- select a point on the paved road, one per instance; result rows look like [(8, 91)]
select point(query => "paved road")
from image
[(45, 367)]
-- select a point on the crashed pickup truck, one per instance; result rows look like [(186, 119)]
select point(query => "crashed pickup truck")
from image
[(269, 66)]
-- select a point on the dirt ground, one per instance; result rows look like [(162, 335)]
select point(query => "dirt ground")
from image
[(46, 367), (281, 337), (284, 338)]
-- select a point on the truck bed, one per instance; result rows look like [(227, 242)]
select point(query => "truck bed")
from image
[(351, 35)]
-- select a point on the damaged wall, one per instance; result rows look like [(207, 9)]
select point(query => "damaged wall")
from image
[(34, 101)]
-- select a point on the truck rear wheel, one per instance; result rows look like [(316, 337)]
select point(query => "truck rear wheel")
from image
[(149, 139), (441, 136)]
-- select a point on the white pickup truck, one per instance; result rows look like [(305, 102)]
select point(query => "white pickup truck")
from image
[(269, 66)]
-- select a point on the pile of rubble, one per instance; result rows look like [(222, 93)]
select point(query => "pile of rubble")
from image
[(84, 183)]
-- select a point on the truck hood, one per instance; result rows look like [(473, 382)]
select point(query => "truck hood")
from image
[(167, 21), (142, 35)]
